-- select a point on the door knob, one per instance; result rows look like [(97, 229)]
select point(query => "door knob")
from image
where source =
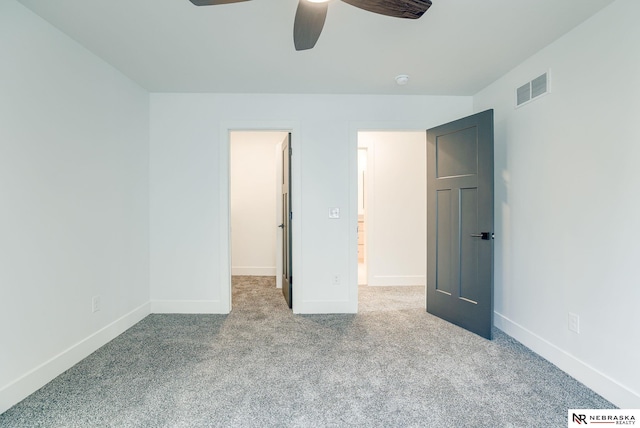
[(484, 235), (281, 226)]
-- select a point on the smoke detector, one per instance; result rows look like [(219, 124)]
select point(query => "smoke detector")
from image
[(402, 79)]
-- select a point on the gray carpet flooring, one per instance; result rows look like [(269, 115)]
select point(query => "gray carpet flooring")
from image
[(391, 365)]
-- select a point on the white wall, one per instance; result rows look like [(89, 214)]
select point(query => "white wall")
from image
[(73, 202), (189, 195), (567, 211), (253, 201), (74, 189), (396, 207)]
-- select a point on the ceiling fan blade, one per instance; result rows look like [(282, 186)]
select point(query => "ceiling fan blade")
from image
[(213, 2), (308, 24), (410, 9)]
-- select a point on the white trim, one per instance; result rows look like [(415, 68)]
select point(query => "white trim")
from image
[(329, 307), (610, 389), (39, 376), (189, 307), (399, 280), (370, 215), (278, 196), (224, 168), (351, 306), (254, 270)]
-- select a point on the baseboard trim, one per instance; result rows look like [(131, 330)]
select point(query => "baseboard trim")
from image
[(326, 307), (397, 280), (610, 389), (36, 378), (253, 270), (189, 307)]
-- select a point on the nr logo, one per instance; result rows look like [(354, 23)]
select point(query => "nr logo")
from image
[(580, 419)]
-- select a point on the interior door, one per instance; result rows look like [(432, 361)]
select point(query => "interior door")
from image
[(460, 222), (287, 280)]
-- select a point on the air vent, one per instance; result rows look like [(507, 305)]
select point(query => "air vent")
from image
[(524, 93), (532, 90)]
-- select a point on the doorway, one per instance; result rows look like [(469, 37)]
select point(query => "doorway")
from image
[(255, 176), (392, 213), (459, 220)]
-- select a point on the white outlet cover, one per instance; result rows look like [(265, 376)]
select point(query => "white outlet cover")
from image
[(334, 212), (95, 304), (574, 323)]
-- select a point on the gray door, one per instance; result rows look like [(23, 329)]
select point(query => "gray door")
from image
[(460, 222), (287, 280)]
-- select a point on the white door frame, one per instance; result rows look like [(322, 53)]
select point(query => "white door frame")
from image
[(225, 203), (279, 220)]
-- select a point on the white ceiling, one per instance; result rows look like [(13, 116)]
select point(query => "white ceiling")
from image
[(457, 48)]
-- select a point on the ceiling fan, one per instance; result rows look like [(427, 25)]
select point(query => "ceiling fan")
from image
[(311, 14)]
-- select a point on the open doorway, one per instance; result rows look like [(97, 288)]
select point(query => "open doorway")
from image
[(392, 219), (255, 184)]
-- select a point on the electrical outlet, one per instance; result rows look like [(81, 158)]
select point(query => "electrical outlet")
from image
[(335, 279), (574, 323), (95, 304)]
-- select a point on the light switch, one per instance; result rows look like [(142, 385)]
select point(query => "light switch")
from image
[(334, 212)]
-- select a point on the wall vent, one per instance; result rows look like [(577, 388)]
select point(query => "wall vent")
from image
[(523, 94), (532, 90)]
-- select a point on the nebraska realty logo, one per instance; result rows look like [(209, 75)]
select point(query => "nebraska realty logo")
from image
[(599, 417)]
